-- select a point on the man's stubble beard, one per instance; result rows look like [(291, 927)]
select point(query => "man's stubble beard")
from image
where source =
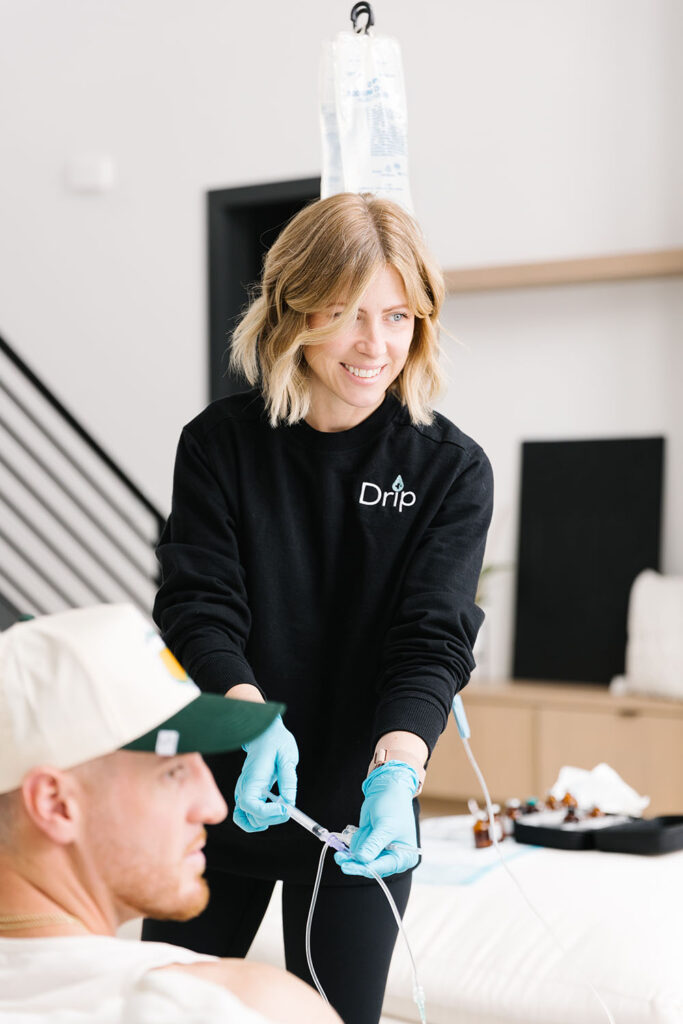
[(181, 912), (152, 893)]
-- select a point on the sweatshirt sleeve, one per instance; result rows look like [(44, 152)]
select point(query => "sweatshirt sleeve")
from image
[(201, 607), (427, 656)]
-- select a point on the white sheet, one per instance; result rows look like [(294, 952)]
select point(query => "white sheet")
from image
[(483, 958)]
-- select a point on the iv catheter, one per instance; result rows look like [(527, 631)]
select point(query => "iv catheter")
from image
[(320, 832), (329, 838)]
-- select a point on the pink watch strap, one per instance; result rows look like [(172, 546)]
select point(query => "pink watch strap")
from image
[(384, 754)]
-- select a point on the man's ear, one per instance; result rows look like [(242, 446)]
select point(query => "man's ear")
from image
[(52, 801)]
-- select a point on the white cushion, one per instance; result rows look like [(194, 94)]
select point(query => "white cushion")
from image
[(654, 651)]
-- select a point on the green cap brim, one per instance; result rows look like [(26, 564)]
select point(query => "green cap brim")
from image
[(210, 724)]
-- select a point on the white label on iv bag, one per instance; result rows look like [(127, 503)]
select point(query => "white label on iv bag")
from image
[(363, 118)]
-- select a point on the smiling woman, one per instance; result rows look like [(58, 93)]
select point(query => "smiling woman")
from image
[(342, 269), (324, 548)]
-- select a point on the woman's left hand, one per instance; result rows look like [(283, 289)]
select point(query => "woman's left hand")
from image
[(271, 757), (386, 819)]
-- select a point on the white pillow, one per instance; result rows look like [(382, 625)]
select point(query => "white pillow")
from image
[(654, 650)]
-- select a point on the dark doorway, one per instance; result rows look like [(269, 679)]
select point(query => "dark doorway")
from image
[(243, 224)]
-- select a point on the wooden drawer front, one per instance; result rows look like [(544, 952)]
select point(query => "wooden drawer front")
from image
[(502, 741), (646, 750)]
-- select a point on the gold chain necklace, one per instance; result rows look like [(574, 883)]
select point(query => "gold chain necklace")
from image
[(14, 922)]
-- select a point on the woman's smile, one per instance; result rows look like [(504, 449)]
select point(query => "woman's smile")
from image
[(363, 373)]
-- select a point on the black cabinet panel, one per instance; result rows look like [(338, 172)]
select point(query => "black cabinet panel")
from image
[(590, 521)]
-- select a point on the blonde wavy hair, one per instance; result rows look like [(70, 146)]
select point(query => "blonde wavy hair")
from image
[(327, 254)]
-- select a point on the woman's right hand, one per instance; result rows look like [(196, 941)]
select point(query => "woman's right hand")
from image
[(271, 757)]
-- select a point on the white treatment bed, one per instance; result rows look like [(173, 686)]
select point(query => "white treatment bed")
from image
[(483, 958)]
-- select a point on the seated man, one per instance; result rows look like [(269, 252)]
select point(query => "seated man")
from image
[(103, 800)]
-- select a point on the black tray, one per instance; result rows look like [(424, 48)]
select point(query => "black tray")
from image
[(643, 835), (546, 828), (635, 835)]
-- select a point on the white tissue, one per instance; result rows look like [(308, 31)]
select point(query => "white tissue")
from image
[(602, 787)]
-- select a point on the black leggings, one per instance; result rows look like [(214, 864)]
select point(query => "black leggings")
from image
[(352, 938)]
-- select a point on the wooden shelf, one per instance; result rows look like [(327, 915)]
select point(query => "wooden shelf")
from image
[(624, 267), (524, 732), (537, 693)]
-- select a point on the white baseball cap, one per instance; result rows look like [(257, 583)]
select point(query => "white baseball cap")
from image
[(83, 683)]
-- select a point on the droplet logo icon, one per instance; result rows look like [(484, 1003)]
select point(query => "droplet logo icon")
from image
[(398, 484)]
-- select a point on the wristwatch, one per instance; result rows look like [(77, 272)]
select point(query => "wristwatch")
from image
[(384, 754)]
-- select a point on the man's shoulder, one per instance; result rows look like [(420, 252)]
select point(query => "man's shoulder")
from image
[(80, 977), (201, 989), (261, 991)]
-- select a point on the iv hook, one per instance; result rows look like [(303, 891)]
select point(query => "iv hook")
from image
[(356, 11)]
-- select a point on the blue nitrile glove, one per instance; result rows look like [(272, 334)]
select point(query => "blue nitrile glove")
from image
[(271, 757), (385, 817)]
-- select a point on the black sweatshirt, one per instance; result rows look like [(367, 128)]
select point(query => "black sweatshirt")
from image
[(335, 571)]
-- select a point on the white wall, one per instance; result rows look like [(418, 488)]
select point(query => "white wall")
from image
[(590, 361), (537, 131)]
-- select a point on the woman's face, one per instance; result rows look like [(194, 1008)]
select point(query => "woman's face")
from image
[(351, 371)]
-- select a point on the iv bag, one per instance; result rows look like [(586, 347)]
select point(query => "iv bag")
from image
[(363, 118)]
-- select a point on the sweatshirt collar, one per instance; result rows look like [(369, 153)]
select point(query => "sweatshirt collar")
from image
[(355, 437)]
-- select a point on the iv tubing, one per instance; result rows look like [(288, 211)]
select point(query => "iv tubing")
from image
[(309, 922), (337, 843), (418, 991), (492, 834), (330, 839)]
